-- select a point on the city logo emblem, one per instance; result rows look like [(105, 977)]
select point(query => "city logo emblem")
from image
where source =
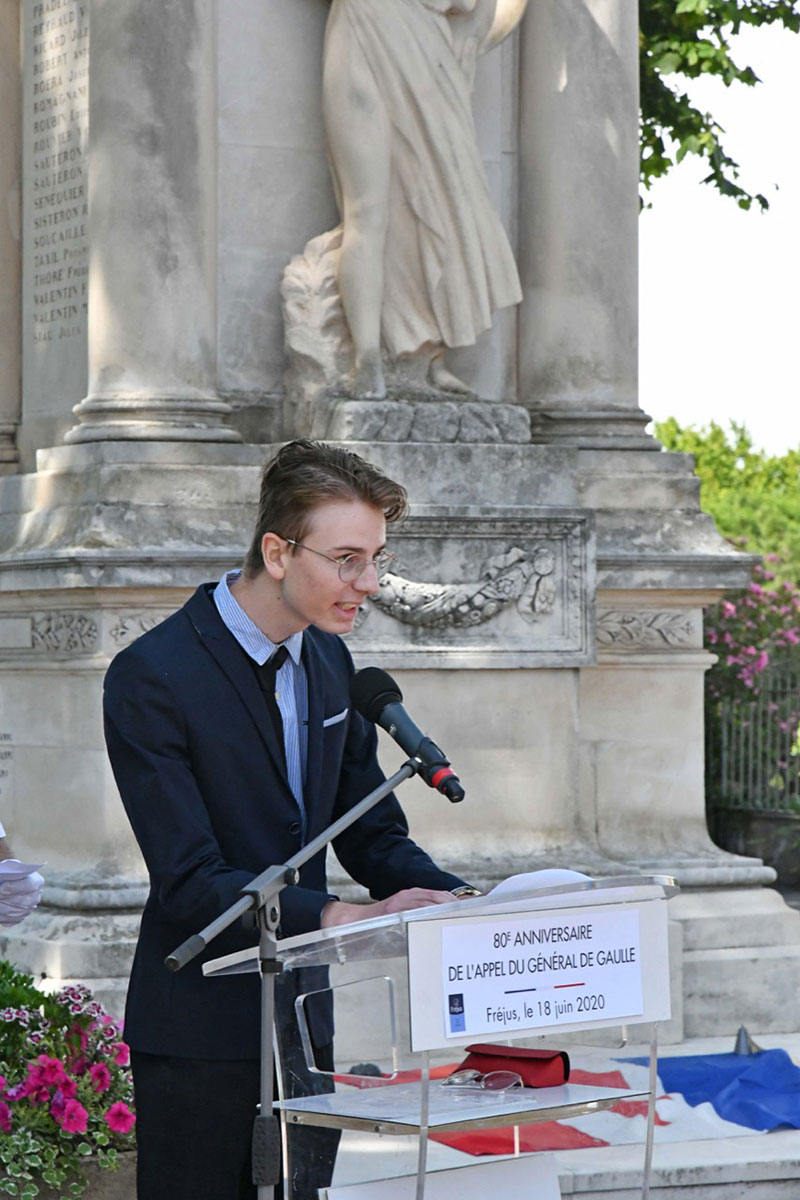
[(455, 1005)]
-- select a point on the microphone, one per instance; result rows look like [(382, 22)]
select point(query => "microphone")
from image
[(376, 696)]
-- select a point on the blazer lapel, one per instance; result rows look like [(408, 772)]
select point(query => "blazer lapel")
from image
[(314, 742), (232, 660)]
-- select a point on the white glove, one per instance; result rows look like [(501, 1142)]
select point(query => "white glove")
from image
[(19, 897)]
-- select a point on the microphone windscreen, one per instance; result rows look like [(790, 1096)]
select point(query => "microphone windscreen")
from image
[(371, 689)]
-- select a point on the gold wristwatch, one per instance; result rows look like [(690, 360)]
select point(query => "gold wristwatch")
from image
[(465, 890)]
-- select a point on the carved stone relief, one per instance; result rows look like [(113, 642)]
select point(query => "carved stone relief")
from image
[(505, 579), (487, 589), (624, 629), (63, 632), (129, 626)]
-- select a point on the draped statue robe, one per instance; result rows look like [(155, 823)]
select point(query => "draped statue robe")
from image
[(448, 264)]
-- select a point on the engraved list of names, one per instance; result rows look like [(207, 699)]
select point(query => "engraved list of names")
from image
[(55, 249)]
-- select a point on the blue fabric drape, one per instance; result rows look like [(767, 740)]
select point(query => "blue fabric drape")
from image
[(760, 1091)]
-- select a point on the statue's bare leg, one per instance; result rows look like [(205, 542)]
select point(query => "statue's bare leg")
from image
[(358, 139)]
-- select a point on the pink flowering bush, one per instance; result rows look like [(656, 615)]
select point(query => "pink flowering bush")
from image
[(751, 631), (753, 691), (65, 1091)]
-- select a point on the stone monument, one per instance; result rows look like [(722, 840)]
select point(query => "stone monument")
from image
[(545, 615)]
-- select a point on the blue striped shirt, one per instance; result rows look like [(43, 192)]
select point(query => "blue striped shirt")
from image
[(292, 685)]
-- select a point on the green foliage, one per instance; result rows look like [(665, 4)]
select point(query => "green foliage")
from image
[(754, 497), (752, 703), (688, 39)]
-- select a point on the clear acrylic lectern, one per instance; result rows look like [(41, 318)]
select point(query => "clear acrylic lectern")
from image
[(411, 990)]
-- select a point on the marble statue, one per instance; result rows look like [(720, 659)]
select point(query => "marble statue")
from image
[(421, 260)]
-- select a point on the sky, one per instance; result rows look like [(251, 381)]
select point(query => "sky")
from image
[(720, 287)]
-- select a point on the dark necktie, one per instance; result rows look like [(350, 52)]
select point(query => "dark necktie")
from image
[(267, 678)]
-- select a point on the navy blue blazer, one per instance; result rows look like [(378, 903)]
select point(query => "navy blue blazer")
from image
[(203, 782)]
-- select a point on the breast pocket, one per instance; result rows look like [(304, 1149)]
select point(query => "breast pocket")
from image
[(335, 719)]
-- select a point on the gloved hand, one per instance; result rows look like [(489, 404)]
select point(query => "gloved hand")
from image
[(19, 897)]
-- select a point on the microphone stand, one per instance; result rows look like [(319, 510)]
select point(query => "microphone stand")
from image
[(262, 894)]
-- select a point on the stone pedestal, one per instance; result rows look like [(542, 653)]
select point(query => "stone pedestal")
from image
[(576, 729), (544, 619)]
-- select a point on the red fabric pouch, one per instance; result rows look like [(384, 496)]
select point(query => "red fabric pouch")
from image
[(536, 1068)]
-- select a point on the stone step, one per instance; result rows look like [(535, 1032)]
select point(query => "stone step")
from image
[(735, 917), (762, 1167), (756, 986)]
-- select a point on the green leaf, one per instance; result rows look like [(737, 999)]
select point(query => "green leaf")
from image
[(668, 63), (692, 38)]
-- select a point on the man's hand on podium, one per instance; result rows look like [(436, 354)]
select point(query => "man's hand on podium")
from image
[(337, 912)]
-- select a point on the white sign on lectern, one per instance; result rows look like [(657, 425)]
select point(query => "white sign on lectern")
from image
[(509, 973)]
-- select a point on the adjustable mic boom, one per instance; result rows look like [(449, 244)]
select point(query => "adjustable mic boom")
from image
[(376, 696)]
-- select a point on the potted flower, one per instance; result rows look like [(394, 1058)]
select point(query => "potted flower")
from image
[(65, 1090)]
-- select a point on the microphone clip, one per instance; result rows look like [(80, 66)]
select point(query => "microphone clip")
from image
[(431, 765)]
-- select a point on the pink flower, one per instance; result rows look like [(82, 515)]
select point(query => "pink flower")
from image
[(101, 1077), (119, 1118), (48, 1072), (121, 1054), (3, 1084), (761, 662), (78, 1065), (791, 636), (5, 1117), (728, 609), (711, 634), (74, 1117)]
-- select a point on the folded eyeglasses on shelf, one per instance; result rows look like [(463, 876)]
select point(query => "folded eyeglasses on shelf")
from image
[(492, 1081)]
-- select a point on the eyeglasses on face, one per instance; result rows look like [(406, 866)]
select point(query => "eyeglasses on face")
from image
[(492, 1081), (351, 566)]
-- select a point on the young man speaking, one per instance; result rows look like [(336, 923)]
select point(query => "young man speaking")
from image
[(233, 744)]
